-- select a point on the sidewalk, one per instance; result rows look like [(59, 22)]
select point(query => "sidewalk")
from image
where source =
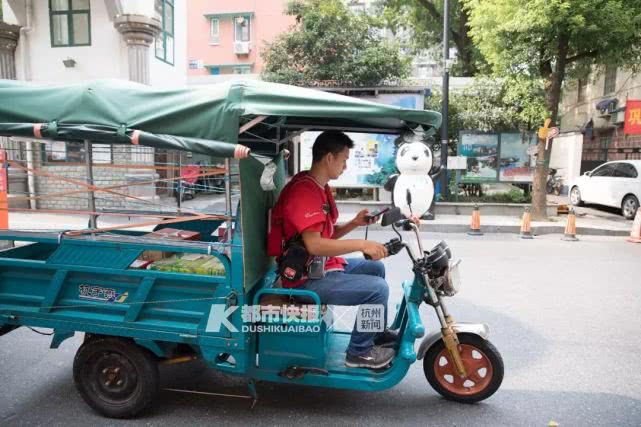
[(589, 221), (587, 224)]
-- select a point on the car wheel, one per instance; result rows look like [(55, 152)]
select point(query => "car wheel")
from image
[(575, 197), (629, 207)]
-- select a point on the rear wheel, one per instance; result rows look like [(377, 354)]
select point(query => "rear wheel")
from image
[(483, 365), (629, 207), (575, 196), (115, 377)]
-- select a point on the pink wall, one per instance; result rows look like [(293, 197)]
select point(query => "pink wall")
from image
[(267, 22)]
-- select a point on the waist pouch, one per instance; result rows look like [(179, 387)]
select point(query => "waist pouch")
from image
[(293, 263)]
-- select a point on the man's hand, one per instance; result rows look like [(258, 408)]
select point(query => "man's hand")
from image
[(363, 218), (374, 250), (416, 220)]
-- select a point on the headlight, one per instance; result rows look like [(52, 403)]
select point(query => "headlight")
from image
[(453, 283)]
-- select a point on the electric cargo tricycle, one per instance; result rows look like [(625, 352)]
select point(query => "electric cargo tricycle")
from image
[(134, 319)]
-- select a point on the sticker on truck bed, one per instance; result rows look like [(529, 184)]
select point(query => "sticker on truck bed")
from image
[(98, 293)]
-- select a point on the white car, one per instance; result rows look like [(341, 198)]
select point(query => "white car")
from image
[(616, 184)]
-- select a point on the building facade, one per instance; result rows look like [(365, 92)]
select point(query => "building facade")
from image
[(225, 39), (595, 106), (68, 41)]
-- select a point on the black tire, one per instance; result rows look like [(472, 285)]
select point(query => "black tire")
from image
[(115, 377), (487, 386), (575, 196), (629, 206)]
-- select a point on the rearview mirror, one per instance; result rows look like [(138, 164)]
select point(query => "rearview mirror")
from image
[(588, 173), (391, 216)]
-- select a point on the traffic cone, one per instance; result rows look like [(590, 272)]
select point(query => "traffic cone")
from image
[(635, 234), (526, 230), (570, 228), (475, 226)]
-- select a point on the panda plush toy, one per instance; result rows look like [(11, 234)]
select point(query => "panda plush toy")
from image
[(413, 187)]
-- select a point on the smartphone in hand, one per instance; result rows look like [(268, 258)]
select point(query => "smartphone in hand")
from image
[(378, 212)]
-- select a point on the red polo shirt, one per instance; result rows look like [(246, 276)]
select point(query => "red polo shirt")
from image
[(307, 206)]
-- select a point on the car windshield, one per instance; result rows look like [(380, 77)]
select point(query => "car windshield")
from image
[(605, 170)]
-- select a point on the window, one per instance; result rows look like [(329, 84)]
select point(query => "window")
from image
[(196, 64), (242, 69), (605, 170), (70, 23), (625, 170), (74, 152), (165, 40), (242, 30), (582, 90), (610, 84), (214, 31)]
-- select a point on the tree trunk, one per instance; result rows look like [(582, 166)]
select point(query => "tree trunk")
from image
[(553, 84)]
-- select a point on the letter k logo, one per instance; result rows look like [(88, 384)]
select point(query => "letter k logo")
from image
[(219, 315)]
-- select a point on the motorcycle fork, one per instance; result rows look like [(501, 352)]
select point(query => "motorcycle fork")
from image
[(447, 331)]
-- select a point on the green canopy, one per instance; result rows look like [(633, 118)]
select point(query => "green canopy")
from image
[(213, 120), (109, 111)]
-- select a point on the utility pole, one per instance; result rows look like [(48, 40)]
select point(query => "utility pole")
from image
[(446, 90)]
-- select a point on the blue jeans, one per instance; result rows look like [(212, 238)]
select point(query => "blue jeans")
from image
[(362, 282)]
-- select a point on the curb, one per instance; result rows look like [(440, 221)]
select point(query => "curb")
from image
[(512, 229)]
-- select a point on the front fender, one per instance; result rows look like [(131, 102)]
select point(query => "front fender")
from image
[(480, 329)]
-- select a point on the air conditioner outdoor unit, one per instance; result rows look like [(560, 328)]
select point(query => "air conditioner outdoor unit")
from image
[(241, 48), (619, 116)]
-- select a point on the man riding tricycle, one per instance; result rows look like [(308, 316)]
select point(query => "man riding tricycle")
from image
[(238, 315)]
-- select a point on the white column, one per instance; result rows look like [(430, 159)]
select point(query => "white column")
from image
[(9, 35), (139, 32)]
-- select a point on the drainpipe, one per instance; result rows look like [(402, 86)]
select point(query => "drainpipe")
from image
[(26, 75)]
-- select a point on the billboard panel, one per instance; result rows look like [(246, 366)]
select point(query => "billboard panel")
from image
[(517, 162), (371, 161), (481, 150)]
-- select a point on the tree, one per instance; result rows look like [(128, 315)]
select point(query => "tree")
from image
[(551, 39), (424, 18), (331, 43), (491, 104)]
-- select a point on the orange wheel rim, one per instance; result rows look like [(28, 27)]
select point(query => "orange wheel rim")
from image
[(477, 366)]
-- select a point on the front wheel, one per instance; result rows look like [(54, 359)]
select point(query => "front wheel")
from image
[(483, 364), (575, 197), (115, 377), (629, 207)]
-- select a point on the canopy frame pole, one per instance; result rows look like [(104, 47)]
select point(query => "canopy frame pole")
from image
[(179, 190), (250, 124), (228, 199), (342, 128), (93, 219), (141, 224)]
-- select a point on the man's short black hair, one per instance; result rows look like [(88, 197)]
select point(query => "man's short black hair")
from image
[(330, 141)]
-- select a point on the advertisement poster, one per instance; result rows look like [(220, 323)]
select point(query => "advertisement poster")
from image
[(516, 163), (372, 160), (632, 123), (367, 160), (481, 151)]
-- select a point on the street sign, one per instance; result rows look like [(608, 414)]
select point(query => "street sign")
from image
[(543, 132), (457, 162), (632, 124), (552, 133)]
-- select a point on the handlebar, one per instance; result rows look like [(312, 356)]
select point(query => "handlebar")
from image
[(393, 247)]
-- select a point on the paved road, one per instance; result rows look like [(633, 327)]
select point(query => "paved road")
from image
[(565, 316)]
